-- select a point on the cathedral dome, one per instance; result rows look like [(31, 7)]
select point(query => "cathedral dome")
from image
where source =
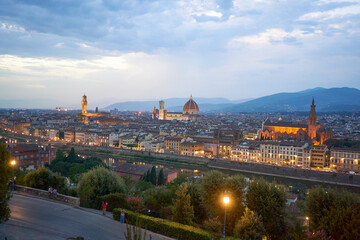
[(191, 107)]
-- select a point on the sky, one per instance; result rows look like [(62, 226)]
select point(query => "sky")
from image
[(55, 51)]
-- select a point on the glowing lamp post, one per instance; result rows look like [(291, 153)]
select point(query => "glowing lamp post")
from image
[(226, 202), (13, 163)]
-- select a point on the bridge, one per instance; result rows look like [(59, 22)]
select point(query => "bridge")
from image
[(37, 218)]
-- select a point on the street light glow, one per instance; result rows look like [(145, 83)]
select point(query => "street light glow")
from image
[(13, 162), (226, 200)]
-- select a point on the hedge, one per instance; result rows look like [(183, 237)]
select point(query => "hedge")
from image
[(164, 227), (115, 200)]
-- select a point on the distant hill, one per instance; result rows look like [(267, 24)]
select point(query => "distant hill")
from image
[(176, 104), (326, 100)]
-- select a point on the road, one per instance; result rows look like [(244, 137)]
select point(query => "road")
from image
[(34, 218)]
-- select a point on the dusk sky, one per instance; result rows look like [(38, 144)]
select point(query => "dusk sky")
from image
[(137, 50)]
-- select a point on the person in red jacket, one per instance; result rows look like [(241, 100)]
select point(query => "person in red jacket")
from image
[(104, 205)]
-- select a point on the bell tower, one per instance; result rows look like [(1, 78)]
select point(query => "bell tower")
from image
[(312, 121), (162, 110), (84, 104)]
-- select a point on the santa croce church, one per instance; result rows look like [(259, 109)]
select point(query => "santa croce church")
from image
[(286, 130)]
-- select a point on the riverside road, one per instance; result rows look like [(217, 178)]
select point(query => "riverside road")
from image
[(34, 218)]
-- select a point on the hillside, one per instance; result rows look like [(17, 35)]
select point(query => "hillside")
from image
[(326, 100)]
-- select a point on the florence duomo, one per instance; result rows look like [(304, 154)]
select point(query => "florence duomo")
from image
[(187, 120), (190, 112)]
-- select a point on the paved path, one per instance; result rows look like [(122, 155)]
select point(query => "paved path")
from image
[(34, 218)]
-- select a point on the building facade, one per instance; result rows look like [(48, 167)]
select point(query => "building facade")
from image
[(300, 132), (344, 159)]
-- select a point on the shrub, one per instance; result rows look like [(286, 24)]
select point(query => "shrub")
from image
[(249, 227), (43, 178), (115, 200), (95, 184), (165, 227), (135, 204), (213, 224)]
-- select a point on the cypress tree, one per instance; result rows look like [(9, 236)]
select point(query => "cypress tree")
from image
[(148, 176), (183, 212), (161, 177), (153, 175)]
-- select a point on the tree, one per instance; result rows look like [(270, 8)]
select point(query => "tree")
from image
[(43, 178), (59, 155), (153, 175), (268, 200), (72, 155), (213, 187), (336, 212), (200, 212), (183, 212), (161, 177), (5, 175), (148, 177), (96, 183), (249, 227), (73, 166)]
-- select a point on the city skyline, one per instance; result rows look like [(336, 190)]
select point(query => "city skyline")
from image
[(157, 49)]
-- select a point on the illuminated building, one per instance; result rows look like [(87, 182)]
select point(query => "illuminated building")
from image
[(192, 149), (318, 156), (300, 132), (190, 112), (172, 145), (84, 105), (345, 159)]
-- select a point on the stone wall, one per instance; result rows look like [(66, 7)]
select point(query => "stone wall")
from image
[(305, 174), (44, 194)]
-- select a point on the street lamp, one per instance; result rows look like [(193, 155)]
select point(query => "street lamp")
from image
[(13, 163), (226, 202)]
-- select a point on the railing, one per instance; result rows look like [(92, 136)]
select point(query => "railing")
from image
[(74, 201)]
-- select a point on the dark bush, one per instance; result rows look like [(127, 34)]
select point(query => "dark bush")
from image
[(43, 178), (165, 227), (115, 200)]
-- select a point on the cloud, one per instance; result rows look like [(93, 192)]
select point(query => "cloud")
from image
[(332, 14), (4, 26), (60, 67), (34, 86), (59, 45), (323, 2), (210, 13), (274, 35)]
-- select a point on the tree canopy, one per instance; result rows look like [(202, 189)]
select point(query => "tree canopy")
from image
[(5, 175), (73, 166), (249, 226), (337, 213), (43, 178), (183, 212), (96, 183), (269, 201), (213, 187)]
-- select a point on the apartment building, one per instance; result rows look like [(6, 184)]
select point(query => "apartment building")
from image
[(344, 159)]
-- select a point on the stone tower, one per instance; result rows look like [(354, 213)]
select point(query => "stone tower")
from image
[(162, 110), (312, 121), (84, 105)]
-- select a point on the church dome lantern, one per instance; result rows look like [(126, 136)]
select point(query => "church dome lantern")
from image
[(191, 107)]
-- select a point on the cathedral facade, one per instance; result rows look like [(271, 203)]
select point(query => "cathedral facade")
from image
[(190, 112), (284, 130)]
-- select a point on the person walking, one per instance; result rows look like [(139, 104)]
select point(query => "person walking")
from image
[(50, 191), (104, 205), (54, 192), (122, 216)]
